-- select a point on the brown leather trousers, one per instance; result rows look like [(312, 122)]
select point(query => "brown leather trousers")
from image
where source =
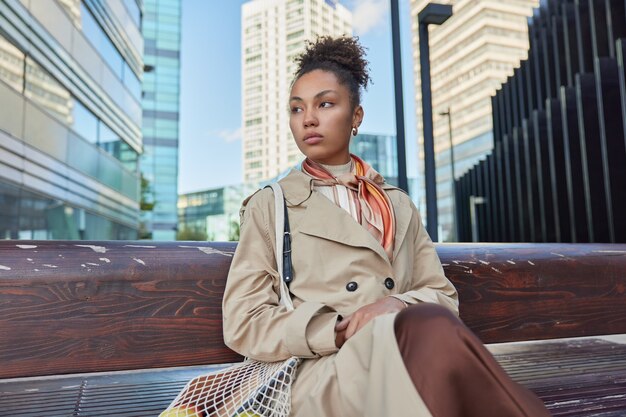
[(453, 372)]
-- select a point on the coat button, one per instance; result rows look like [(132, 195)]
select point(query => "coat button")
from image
[(352, 286), (389, 284)]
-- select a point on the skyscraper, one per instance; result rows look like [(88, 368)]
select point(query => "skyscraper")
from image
[(161, 91), (273, 34), (471, 56), (70, 124)]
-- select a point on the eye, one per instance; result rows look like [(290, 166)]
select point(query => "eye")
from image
[(326, 104), (296, 109)]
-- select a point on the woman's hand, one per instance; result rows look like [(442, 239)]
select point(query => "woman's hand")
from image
[(351, 324)]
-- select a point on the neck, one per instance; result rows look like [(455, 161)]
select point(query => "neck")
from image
[(336, 170)]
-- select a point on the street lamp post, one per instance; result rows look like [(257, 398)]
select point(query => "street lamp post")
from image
[(432, 14), (452, 195), (403, 182)]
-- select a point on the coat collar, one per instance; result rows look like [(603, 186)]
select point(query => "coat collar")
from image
[(337, 224)]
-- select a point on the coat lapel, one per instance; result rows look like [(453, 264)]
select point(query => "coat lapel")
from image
[(324, 219), (403, 214)]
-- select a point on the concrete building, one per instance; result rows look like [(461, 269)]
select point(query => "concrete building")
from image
[(70, 125), (471, 54), (273, 34), (161, 85)]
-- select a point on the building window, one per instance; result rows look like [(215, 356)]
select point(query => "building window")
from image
[(11, 65), (295, 35)]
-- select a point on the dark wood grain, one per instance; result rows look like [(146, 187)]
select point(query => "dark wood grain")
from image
[(515, 292), (68, 307)]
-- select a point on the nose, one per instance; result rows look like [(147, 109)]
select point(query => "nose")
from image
[(310, 119)]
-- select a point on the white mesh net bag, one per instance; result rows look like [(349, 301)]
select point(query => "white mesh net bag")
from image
[(250, 388)]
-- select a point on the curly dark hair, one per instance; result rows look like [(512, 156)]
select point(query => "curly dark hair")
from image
[(343, 56)]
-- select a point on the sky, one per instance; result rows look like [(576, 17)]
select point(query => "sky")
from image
[(210, 108)]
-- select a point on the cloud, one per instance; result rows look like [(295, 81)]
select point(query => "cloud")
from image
[(227, 135), (368, 14)]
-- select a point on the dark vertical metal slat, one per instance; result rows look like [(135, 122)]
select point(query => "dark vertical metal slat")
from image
[(487, 212), (524, 99), (579, 228), (549, 67), (591, 155), (510, 185), (583, 36), (529, 177), (557, 186), (520, 185), (572, 60), (558, 43), (500, 178), (494, 220), (620, 46), (599, 30), (612, 145), (515, 100), (537, 73), (545, 223)]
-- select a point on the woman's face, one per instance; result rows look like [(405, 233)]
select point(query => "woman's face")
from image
[(322, 117)]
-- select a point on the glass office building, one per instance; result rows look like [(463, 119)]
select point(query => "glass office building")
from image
[(212, 214), (380, 152), (161, 91), (70, 124)]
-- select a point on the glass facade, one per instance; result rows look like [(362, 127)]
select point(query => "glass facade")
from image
[(161, 90), (377, 150), (380, 151), (212, 214), (70, 133)]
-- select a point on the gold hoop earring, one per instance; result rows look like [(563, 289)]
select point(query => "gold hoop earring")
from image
[(355, 131)]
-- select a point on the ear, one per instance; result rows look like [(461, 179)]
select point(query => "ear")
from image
[(357, 116)]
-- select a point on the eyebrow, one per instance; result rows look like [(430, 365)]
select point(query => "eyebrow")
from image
[(318, 95)]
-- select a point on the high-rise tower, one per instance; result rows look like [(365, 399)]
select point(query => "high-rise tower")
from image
[(471, 56), (161, 92), (273, 34)]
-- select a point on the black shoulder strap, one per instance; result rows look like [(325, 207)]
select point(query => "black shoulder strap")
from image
[(287, 268), (287, 273)]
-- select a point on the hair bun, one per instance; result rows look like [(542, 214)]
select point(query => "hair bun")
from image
[(344, 51)]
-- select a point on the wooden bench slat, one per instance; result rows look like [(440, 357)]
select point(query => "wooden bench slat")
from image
[(72, 306), (584, 387)]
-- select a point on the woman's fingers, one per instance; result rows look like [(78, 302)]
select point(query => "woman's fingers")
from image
[(343, 324), (354, 325), (340, 339)]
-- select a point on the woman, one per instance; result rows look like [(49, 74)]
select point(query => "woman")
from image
[(375, 317)]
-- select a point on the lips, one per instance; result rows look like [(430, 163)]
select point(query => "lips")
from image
[(313, 138)]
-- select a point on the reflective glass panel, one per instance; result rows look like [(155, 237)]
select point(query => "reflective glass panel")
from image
[(101, 41), (84, 122), (46, 91), (11, 64)]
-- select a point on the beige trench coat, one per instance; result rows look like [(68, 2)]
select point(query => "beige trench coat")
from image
[(366, 377)]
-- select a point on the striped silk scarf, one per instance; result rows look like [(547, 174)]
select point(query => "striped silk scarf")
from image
[(373, 209)]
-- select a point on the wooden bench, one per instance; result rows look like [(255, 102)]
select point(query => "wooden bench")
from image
[(117, 328)]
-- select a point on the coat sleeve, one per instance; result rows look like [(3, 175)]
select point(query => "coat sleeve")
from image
[(429, 283), (255, 324)]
